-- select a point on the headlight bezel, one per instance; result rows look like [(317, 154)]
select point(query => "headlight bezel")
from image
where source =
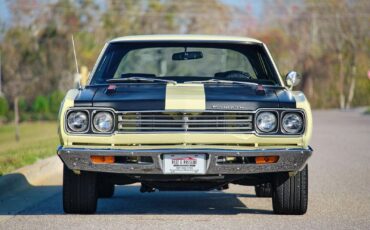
[(90, 115), (273, 131), (280, 113), (94, 129), (299, 113), (67, 126)]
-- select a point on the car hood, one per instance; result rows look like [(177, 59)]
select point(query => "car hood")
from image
[(148, 96)]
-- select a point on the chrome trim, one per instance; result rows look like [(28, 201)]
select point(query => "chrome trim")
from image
[(303, 120), (92, 73), (67, 129), (153, 122), (292, 79), (92, 121), (189, 111), (90, 111), (260, 132), (290, 160), (284, 110), (279, 79), (277, 72), (200, 111)]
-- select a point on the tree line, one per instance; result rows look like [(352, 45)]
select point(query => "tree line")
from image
[(328, 42)]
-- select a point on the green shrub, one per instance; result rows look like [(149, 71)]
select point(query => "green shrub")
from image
[(22, 105), (55, 100), (4, 107), (41, 105), (35, 116), (9, 116), (24, 116), (48, 117)]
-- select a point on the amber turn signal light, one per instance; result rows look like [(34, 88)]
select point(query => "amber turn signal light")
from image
[(266, 159), (102, 159)]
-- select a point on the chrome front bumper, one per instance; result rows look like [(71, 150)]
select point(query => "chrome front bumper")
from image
[(290, 160)]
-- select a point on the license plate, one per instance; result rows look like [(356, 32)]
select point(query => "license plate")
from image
[(184, 163)]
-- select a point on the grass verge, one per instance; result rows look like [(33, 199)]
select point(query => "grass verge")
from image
[(37, 140)]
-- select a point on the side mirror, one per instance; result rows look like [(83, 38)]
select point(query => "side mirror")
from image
[(292, 79)]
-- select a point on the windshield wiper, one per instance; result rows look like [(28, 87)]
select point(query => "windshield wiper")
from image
[(142, 79), (223, 82)]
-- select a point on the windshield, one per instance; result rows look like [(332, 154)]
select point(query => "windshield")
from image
[(183, 62)]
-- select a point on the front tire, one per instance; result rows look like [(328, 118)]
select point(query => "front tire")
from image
[(79, 192), (290, 194)]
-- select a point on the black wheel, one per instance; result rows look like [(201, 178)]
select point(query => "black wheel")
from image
[(290, 194), (79, 192), (263, 190), (105, 189)]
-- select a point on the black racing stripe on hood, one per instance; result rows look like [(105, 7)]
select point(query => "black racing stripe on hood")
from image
[(132, 97), (84, 97), (286, 99), (238, 97)]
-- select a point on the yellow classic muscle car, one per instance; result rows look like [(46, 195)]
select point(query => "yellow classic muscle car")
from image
[(185, 112)]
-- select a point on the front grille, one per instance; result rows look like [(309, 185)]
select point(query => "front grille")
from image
[(220, 122)]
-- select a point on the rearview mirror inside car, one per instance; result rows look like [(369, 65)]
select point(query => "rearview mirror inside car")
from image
[(187, 55)]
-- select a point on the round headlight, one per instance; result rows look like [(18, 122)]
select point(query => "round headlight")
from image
[(266, 122), (292, 123), (103, 122), (77, 121)]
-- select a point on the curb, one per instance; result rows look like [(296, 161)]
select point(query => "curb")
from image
[(31, 175)]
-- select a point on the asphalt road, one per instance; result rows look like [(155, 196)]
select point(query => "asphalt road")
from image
[(339, 194)]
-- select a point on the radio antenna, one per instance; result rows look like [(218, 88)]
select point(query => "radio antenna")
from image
[(77, 72), (74, 53)]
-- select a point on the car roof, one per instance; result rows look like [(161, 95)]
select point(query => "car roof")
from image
[(186, 38)]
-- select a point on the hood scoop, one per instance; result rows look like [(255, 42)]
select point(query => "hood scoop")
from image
[(111, 89), (260, 90)]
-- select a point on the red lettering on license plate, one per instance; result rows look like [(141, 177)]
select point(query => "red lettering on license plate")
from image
[(187, 161)]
